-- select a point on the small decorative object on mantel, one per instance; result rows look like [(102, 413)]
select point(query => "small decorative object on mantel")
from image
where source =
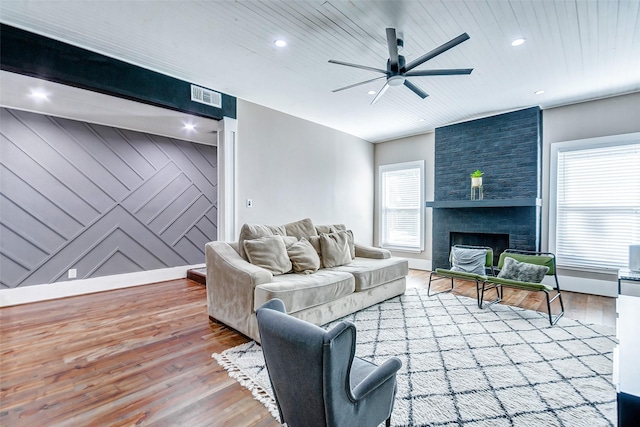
[(476, 185)]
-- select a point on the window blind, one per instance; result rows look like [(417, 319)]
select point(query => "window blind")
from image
[(598, 205), (402, 212)]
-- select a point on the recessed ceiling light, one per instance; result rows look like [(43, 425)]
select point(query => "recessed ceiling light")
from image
[(280, 43), (421, 120), (371, 92), (517, 42), (539, 92), (189, 126), (39, 94)]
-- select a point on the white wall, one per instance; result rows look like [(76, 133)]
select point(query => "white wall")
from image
[(610, 116), (604, 117), (292, 169), (419, 147)]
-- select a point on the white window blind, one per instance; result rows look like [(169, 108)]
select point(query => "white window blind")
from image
[(598, 205), (402, 206)]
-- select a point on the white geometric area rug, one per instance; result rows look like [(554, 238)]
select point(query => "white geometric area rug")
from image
[(465, 366)]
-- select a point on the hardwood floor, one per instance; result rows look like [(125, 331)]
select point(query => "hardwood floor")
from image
[(142, 356)]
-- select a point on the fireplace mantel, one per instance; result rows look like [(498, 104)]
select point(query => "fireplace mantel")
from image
[(486, 203)]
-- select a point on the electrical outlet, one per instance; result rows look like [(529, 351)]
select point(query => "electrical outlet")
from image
[(249, 203), (73, 273)]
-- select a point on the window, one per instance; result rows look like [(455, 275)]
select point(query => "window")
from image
[(402, 206), (597, 203)]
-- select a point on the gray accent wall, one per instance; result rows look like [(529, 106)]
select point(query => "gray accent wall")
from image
[(99, 199)]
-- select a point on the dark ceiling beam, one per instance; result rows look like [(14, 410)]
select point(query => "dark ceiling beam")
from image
[(37, 56)]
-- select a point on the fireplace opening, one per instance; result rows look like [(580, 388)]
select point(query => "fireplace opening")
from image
[(496, 241)]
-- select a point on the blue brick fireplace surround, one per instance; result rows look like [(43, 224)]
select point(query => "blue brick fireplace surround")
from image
[(508, 149)]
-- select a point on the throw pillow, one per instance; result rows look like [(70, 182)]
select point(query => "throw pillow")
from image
[(335, 228), (330, 228), (522, 271), (289, 240), (352, 245), (254, 231), (304, 257), (303, 228), (315, 242), (335, 249), (468, 260), (269, 253)]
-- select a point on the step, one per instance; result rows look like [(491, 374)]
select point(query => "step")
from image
[(198, 275)]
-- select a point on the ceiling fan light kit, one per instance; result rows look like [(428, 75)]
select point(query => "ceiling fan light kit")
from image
[(397, 70), (396, 80)]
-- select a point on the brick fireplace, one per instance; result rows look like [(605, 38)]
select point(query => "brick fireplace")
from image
[(507, 148)]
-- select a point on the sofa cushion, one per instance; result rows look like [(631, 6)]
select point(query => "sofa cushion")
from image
[(300, 291), (255, 231), (304, 257), (303, 228), (370, 273), (268, 252), (335, 249)]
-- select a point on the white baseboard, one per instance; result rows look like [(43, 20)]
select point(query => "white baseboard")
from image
[(607, 288), (420, 264), (27, 294)]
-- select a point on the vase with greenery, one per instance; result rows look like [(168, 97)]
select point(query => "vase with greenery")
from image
[(476, 178)]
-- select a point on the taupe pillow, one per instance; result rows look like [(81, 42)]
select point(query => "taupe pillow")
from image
[(315, 242), (335, 249), (289, 240), (303, 228), (304, 257), (330, 228), (254, 231), (352, 245), (522, 271), (269, 253)]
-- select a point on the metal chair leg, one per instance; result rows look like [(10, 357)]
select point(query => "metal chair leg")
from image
[(429, 285), (554, 319), (481, 295)]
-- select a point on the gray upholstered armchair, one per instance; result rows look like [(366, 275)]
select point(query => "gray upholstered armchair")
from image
[(315, 376)]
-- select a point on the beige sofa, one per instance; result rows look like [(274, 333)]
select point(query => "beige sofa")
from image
[(350, 278)]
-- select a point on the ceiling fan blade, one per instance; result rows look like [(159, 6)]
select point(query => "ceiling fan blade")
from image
[(357, 84), (380, 93), (437, 51), (422, 94), (363, 67), (442, 72), (392, 43)]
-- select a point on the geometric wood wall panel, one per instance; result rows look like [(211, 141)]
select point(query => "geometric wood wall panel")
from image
[(99, 199)]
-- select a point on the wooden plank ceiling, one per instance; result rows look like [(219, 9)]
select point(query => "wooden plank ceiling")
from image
[(574, 51)]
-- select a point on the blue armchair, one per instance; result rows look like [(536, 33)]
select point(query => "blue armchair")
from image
[(315, 376)]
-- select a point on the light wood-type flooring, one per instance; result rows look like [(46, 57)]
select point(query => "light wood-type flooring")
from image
[(142, 356)]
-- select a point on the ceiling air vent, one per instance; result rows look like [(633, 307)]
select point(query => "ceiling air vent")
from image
[(206, 96)]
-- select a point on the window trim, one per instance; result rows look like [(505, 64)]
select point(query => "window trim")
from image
[(420, 164), (575, 145)]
